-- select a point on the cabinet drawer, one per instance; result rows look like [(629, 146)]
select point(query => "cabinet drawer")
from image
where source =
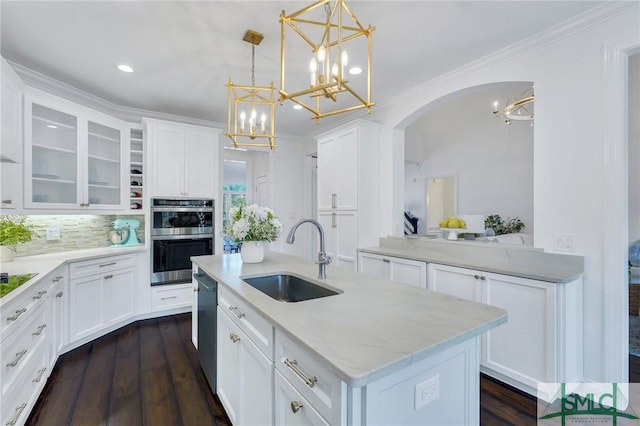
[(257, 328), (171, 296), (315, 382), (18, 348), (100, 265), (292, 408), (16, 312), (20, 397)]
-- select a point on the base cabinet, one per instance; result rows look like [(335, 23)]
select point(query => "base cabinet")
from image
[(245, 376), (548, 314), (406, 271), (291, 408), (102, 294)]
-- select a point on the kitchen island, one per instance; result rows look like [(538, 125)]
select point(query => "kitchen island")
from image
[(385, 353)]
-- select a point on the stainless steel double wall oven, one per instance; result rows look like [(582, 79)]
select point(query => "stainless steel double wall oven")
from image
[(180, 228)]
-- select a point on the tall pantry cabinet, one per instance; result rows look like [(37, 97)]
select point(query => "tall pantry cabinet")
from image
[(348, 190)]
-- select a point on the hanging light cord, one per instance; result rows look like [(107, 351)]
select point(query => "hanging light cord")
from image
[(253, 65)]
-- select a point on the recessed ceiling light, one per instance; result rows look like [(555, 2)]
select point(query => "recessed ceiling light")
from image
[(51, 126), (297, 106), (355, 70), (125, 68)]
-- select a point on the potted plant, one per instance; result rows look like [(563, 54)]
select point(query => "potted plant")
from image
[(253, 226), (501, 226), (13, 231)]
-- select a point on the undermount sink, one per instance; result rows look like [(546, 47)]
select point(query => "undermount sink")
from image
[(289, 288)]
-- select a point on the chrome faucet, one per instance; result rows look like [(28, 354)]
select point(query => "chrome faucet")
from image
[(323, 259)]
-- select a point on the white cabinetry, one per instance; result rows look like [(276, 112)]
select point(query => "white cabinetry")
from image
[(10, 186), (245, 362), (348, 190), (58, 307), (171, 296), (11, 139), (407, 271), (102, 294), (183, 159), (74, 157), (136, 167), (548, 315), (25, 352), (317, 395)]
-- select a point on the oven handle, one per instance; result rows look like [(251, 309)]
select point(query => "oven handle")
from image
[(182, 209), (182, 237)]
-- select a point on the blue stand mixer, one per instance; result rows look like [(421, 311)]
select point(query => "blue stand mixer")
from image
[(125, 233)]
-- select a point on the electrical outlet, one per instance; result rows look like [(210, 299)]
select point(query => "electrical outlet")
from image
[(427, 391), (53, 234), (564, 242)]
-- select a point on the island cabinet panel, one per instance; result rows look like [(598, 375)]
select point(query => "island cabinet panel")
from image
[(245, 375), (439, 390), (542, 339), (406, 271)]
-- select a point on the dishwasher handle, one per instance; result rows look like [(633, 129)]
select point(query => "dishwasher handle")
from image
[(207, 282)]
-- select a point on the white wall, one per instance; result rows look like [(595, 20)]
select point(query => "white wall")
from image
[(577, 147), (634, 147), (492, 161)]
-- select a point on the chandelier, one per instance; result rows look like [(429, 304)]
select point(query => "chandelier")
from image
[(316, 63), (251, 109), (519, 108)]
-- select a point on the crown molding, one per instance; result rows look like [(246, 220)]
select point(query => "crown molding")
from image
[(586, 20), (55, 87)]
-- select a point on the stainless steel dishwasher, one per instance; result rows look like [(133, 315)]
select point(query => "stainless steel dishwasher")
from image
[(207, 305)]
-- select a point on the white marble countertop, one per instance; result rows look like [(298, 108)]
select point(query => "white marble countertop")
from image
[(45, 263), (373, 328), (525, 262)]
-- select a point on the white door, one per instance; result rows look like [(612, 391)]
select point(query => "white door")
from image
[(262, 191)]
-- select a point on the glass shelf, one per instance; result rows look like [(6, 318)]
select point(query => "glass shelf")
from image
[(53, 148)]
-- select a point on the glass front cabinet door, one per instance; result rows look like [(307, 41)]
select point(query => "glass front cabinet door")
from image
[(74, 158)]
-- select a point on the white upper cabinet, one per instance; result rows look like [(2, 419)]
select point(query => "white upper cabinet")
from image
[(183, 159), (74, 157), (12, 89)]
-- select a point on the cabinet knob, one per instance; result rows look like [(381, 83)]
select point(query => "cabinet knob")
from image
[(386, 260), (482, 278), (477, 277), (296, 406), (59, 294)]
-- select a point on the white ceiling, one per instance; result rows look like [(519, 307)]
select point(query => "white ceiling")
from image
[(184, 52)]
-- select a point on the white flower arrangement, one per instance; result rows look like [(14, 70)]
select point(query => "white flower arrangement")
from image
[(253, 223)]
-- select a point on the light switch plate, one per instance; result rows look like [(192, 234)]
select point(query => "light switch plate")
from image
[(53, 234)]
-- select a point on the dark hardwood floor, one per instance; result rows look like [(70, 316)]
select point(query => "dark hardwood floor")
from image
[(148, 374)]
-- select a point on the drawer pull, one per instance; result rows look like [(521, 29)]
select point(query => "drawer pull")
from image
[(169, 298), (234, 337), (6, 201), (19, 411), (19, 356), (386, 260), (40, 373), (294, 366), (235, 310), (296, 406), (102, 265), (58, 278), (39, 331), (39, 295), (108, 277), (59, 294), (17, 315)]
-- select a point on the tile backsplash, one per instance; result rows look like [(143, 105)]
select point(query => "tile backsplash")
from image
[(76, 232)]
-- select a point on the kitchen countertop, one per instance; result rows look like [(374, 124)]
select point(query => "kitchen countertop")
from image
[(45, 263), (525, 262), (372, 329)]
